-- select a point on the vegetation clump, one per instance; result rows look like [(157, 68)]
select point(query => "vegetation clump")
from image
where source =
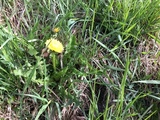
[(79, 60)]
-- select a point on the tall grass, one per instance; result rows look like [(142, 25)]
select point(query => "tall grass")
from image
[(96, 77)]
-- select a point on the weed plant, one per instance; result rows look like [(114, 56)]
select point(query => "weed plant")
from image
[(100, 74)]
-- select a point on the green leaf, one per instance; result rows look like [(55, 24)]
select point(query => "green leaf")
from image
[(32, 51), (43, 108), (36, 96), (60, 74), (72, 44), (2, 88), (148, 81), (18, 72)]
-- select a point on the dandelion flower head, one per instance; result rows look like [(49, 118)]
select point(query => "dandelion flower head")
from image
[(56, 30), (55, 45)]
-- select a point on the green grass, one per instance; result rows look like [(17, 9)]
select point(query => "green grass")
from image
[(101, 75)]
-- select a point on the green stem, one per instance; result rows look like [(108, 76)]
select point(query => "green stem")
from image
[(54, 61)]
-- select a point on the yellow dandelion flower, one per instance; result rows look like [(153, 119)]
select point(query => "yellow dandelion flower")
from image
[(56, 30), (55, 45)]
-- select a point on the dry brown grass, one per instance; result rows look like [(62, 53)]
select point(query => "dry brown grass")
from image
[(8, 113), (149, 51)]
